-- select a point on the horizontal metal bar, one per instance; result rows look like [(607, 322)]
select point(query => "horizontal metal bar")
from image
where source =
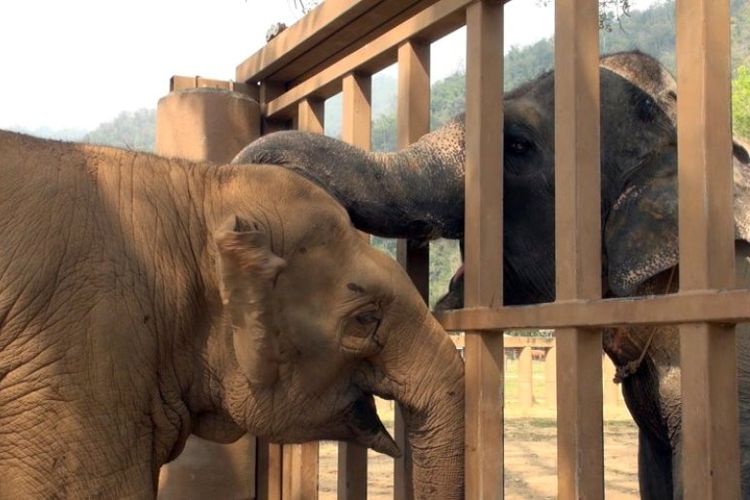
[(713, 306)]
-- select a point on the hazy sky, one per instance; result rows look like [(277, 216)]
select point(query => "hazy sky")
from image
[(77, 63)]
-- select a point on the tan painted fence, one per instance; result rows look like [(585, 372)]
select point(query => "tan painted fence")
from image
[(340, 44)]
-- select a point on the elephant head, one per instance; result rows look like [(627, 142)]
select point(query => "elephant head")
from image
[(205, 299), (316, 322), (419, 191)]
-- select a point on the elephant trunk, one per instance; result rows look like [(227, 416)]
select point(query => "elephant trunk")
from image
[(410, 194), (425, 374), (436, 439)]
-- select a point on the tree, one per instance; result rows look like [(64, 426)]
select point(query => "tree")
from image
[(610, 11), (741, 102), (135, 130), (741, 34), (305, 6)]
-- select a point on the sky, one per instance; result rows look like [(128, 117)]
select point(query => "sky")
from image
[(73, 64)]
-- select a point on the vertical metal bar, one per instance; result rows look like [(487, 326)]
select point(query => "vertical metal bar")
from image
[(578, 246), (483, 246), (355, 129), (413, 121), (710, 445)]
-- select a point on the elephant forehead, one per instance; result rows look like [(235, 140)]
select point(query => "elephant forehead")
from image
[(641, 70), (527, 111)]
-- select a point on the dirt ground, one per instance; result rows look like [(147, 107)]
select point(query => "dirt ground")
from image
[(530, 456), (530, 451)]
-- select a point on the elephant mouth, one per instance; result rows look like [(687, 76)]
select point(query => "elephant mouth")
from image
[(368, 430), (625, 281), (641, 235)]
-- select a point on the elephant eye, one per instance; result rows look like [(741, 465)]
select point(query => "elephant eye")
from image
[(367, 318), (359, 336), (517, 146), (366, 323), (647, 109)]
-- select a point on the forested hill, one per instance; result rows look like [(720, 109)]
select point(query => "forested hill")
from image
[(651, 31)]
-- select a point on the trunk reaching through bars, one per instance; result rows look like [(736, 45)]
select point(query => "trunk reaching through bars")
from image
[(409, 194)]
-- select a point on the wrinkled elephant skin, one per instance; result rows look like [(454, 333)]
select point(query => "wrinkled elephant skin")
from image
[(143, 299)]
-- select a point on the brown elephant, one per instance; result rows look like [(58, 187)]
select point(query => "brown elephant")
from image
[(419, 193), (143, 299)]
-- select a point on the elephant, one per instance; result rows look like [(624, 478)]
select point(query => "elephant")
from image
[(144, 298), (418, 193)]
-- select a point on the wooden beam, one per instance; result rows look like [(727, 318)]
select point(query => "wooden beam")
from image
[(580, 452), (430, 24), (387, 15), (269, 466), (413, 111), (312, 29), (329, 32), (311, 116), (413, 121), (718, 306), (300, 479), (269, 90), (355, 129), (483, 279), (356, 123), (710, 442)]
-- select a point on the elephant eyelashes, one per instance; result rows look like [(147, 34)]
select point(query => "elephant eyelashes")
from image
[(364, 324), (517, 146), (647, 109), (359, 334), (367, 318)]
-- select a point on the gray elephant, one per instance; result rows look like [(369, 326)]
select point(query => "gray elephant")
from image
[(419, 193), (143, 299)]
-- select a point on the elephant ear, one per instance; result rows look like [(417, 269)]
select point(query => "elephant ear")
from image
[(247, 270), (641, 231)]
